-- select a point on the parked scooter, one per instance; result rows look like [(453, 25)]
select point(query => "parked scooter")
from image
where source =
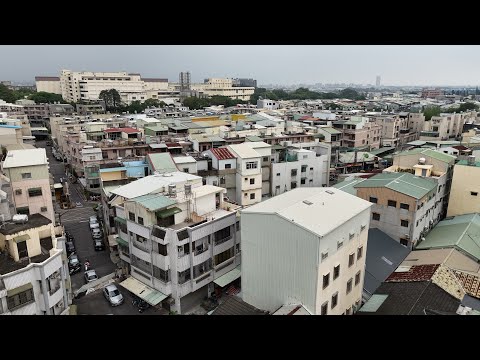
[(142, 305), (75, 269)]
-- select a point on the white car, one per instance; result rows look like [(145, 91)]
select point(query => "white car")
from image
[(112, 294), (96, 233), (94, 223)]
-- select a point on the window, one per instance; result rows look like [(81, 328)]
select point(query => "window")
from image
[(294, 172), (473, 193), (392, 203), (357, 278), (237, 225), (324, 308), (373, 199), (404, 242), (246, 179), (224, 256), (278, 174), (185, 170), (252, 181), (404, 223), (43, 209), (376, 216), (131, 216), (359, 252), (161, 274), (326, 280), (18, 192), (26, 175), (222, 235), (311, 168), (35, 192), (140, 220), (349, 286), (324, 255), (245, 195), (336, 271), (362, 227), (228, 166), (252, 196), (20, 299), (339, 244), (351, 260), (304, 168), (404, 206), (293, 185), (162, 249), (334, 300), (351, 236), (266, 158), (222, 180), (302, 181), (252, 165)]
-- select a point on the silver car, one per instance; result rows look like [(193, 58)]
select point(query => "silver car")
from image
[(90, 276), (112, 294)]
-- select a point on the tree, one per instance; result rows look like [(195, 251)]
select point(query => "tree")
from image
[(154, 103), (195, 103), (6, 94), (430, 111), (136, 107), (112, 99), (43, 97), (115, 96)]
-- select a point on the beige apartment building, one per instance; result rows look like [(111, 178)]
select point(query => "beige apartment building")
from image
[(465, 188), (30, 182), (224, 87), (446, 126), (50, 84), (359, 132)]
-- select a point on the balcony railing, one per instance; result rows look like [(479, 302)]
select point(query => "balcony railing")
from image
[(220, 241)]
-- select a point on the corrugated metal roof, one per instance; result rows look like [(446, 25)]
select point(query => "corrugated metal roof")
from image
[(330, 130), (154, 202), (145, 292), (127, 130), (462, 232), (26, 157), (162, 162), (414, 273), (253, 138), (465, 163), (348, 186), (229, 277), (404, 183), (429, 152), (222, 153), (120, 168), (373, 303)]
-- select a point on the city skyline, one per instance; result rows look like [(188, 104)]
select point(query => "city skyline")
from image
[(405, 65)]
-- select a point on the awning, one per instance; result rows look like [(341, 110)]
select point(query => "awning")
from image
[(230, 276), (112, 240), (144, 292), (21, 238), (122, 242), (19, 289), (168, 212), (119, 219)]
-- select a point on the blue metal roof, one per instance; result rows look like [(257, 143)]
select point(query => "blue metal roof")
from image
[(113, 169), (10, 126)]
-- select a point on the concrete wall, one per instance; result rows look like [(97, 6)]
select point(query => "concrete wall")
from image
[(466, 179)]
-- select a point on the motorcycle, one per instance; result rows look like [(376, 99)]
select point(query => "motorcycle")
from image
[(75, 269), (142, 305), (87, 266)]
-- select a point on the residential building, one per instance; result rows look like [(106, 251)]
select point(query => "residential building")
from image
[(223, 87), (293, 167), (333, 137), (265, 151), (50, 84), (404, 206), (29, 181), (36, 111), (34, 277), (431, 164), (241, 82), (431, 93), (60, 109), (186, 164), (160, 163), (359, 132), (446, 126), (267, 104), (10, 134), (180, 245), (465, 188), (248, 182), (290, 257), (89, 109)]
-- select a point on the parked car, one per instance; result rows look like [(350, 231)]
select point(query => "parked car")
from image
[(73, 261), (90, 276), (70, 247), (112, 294), (94, 222), (98, 244), (96, 233)]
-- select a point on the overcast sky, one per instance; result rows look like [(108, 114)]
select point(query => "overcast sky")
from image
[(269, 64)]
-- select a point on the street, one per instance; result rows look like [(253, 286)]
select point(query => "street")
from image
[(76, 222)]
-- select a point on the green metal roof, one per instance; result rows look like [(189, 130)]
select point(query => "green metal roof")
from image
[(417, 143), (119, 219), (404, 183), (120, 168), (278, 147), (348, 186), (120, 241), (168, 212), (382, 150), (461, 232), (145, 292), (228, 277), (253, 138), (154, 202), (429, 152), (331, 130), (465, 163), (374, 303), (162, 162)]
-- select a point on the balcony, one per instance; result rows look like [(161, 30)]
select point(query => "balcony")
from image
[(222, 240)]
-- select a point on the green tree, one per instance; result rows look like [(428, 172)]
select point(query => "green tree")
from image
[(195, 103), (6, 94), (112, 99), (136, 107), (154, 103), (430, 111), (43, 97)]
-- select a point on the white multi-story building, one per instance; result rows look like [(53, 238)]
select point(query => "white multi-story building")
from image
[(224, 87), (265, 151), (30, 181), (267, 104), (34, 277), (298, 168), (180, 245), (249, 174), (305, 247)]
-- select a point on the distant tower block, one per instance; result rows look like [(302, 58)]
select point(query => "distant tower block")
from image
[(184, 81), (379, 79)]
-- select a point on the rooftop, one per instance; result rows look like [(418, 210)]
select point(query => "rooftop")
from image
[(330, 130), (222, 153), (35, 220), (236, 306), (7, 264), (348, 186), (349, 157), (413, 273), (257, 144), (127, 130), (305, 206), (244, 151), (465, 163), (47, 78), (404, 183), (153, 184), (161, 162), (154, 202), (429, 152), (26, 157), (461, 232), (184, 160)]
